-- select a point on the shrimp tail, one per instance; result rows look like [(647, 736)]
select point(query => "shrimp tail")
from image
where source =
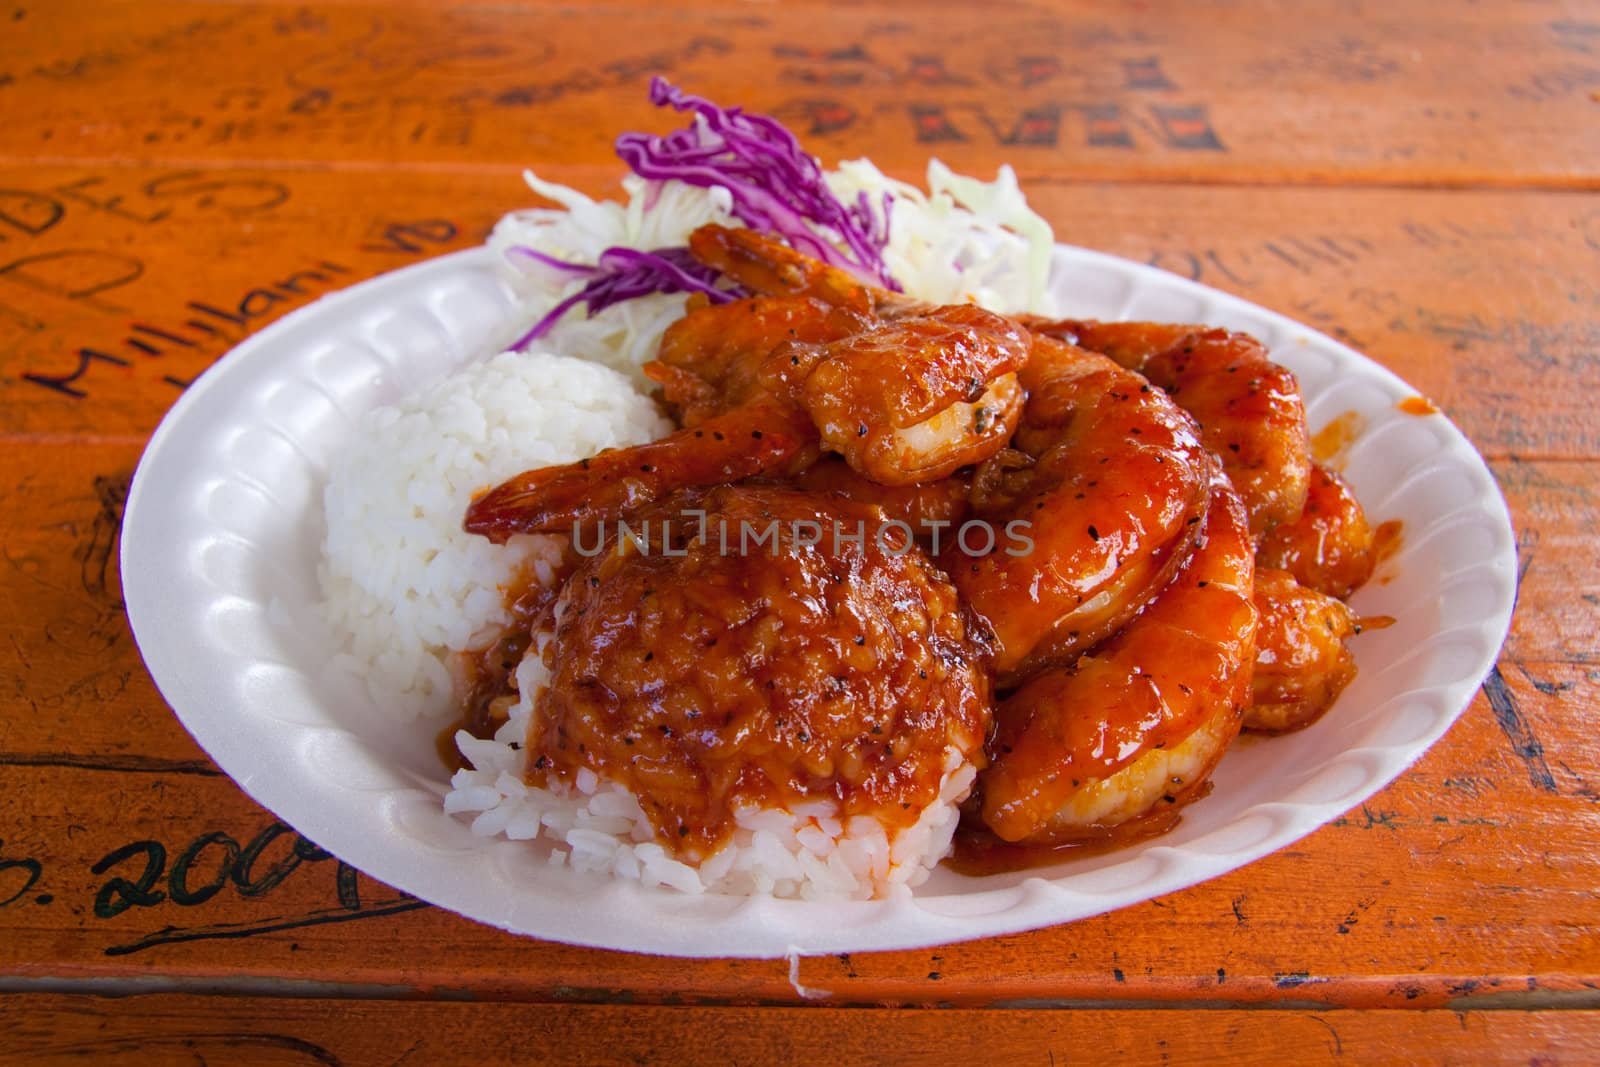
[(762, 265)]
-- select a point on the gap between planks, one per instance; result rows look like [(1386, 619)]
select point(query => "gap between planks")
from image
[(312, 989)]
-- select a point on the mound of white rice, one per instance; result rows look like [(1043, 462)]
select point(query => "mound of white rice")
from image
[(807, 851), (411, 589), (399, 576)]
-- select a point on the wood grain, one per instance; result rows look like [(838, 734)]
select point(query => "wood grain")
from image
[(1347, 92), (176, 175), (118, 285), (1483, 300), (45, 1029)]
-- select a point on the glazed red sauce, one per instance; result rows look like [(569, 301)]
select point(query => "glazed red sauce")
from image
[(445, 745)]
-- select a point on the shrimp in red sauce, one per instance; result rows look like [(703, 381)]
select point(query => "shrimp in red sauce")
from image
[(1094, 744), (1249, 407), (1108, 479), (1331, 547), (1302, 660), (904, 399)]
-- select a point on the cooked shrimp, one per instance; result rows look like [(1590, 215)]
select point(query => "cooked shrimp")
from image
[(1097, 743), (1330, 547), (749, 440), (919, 396), (1249, 408), (928, 508), (1302, 663), (719, 356), (915, 394), (1144, 788), (1108, 479), (762, 383), (903, 401)]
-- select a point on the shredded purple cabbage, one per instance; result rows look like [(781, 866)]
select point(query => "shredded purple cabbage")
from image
[(777, 187), (622, 274)]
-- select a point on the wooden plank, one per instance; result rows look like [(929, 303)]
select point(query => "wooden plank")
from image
[(1333, 91), (1555, 510), (1480, 300), (1483, 300), (169, 168), (1471, 876), (119, 285), (56, 1028)]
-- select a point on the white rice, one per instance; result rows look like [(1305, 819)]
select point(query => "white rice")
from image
[(807, 851), (399, 576)]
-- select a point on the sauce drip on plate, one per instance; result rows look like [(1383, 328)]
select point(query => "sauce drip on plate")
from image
[(1386, 539), (1331, 442)]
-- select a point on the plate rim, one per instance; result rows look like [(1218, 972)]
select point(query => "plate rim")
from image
[(1039, 901)]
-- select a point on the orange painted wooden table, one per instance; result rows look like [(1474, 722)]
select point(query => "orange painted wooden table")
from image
[(174, 175)]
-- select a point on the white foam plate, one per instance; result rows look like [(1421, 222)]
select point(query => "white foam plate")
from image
[(219, 553)]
